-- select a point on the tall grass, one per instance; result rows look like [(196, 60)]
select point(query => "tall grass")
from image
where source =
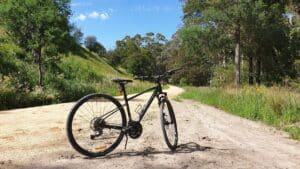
[(274, 106)]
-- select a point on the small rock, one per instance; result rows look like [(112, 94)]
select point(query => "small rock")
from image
[(206, 138)]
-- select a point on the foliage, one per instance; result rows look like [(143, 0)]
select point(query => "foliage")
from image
[(275, 106), (77, 34), (223, 76), (141, 55), (93, 45), (140, 63), (257, 32), (41, 28), (198, 71), (71, 79)]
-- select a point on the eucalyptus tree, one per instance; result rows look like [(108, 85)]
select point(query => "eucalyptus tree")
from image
[(78, 35), (258, 29), (41, 27), (218, 16), (93, 45), (141, 55)]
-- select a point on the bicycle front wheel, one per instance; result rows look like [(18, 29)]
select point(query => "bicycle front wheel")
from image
[(168, 124), (95, 125)]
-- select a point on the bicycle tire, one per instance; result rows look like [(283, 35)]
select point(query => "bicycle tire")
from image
[(167, 118), (77, 110)]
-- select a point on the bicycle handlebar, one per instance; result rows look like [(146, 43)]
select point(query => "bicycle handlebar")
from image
[(158, 77)]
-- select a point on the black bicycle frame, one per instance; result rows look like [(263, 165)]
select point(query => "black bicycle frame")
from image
[(157, 90)]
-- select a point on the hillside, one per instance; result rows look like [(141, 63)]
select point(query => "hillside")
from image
[(86, 66), (68, 76)]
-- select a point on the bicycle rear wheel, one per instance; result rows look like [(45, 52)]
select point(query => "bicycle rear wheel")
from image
[(168, 124), (95, 125)]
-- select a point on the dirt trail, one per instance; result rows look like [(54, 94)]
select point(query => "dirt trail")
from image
[(208, 138)]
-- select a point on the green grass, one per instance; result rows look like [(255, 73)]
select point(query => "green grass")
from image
[(77, 74), (87, 67), (274, 106)]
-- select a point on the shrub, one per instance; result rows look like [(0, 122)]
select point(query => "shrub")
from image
[(73, 90), (7, 93), (223, 76)]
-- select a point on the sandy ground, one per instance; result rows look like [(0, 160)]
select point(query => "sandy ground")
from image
[(208, 138)]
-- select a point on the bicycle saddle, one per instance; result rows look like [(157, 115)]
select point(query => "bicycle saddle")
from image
[(124, 81)]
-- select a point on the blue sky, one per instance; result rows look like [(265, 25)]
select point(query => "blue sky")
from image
[(111, 20)]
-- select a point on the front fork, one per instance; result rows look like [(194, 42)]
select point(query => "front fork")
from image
[(161, 97)]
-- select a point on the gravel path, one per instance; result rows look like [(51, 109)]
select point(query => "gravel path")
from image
[(208, 138)]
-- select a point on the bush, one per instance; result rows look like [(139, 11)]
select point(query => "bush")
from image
[(183, 82), (10, 97), (223, 76), (72, 90), (7, 94)]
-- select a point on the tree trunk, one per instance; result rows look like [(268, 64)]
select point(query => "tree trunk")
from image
[(258, 70), (224, 60), (37, 54), (237, 58), (250, 70)]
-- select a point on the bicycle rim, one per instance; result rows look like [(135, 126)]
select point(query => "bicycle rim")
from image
[(169, 125), (95, 125)]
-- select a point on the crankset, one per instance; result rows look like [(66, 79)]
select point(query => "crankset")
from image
[(135, 129)]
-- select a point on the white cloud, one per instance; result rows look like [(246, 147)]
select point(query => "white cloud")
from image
[(81, 17), (94, 15), (99, 15), (104, 16)]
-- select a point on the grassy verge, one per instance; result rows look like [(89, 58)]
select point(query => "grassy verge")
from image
[(274, 106)]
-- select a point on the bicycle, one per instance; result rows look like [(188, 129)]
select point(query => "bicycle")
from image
[(98, 132)]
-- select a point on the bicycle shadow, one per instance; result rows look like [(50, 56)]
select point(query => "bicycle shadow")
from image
[(182, 148)]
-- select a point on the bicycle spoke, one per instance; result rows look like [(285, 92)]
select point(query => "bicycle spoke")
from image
[(94, 128)]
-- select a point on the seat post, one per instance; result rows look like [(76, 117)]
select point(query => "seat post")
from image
[(126, 100)]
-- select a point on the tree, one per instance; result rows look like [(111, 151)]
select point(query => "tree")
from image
[(39, 27), (90, 42), (93, 45), (194, 50), (155, 43), (218, 15), (78, 35), (267, 32), (141, 55), (140, 63), (256, 29)]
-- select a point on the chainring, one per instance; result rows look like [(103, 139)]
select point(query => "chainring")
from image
[(135, 129)]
